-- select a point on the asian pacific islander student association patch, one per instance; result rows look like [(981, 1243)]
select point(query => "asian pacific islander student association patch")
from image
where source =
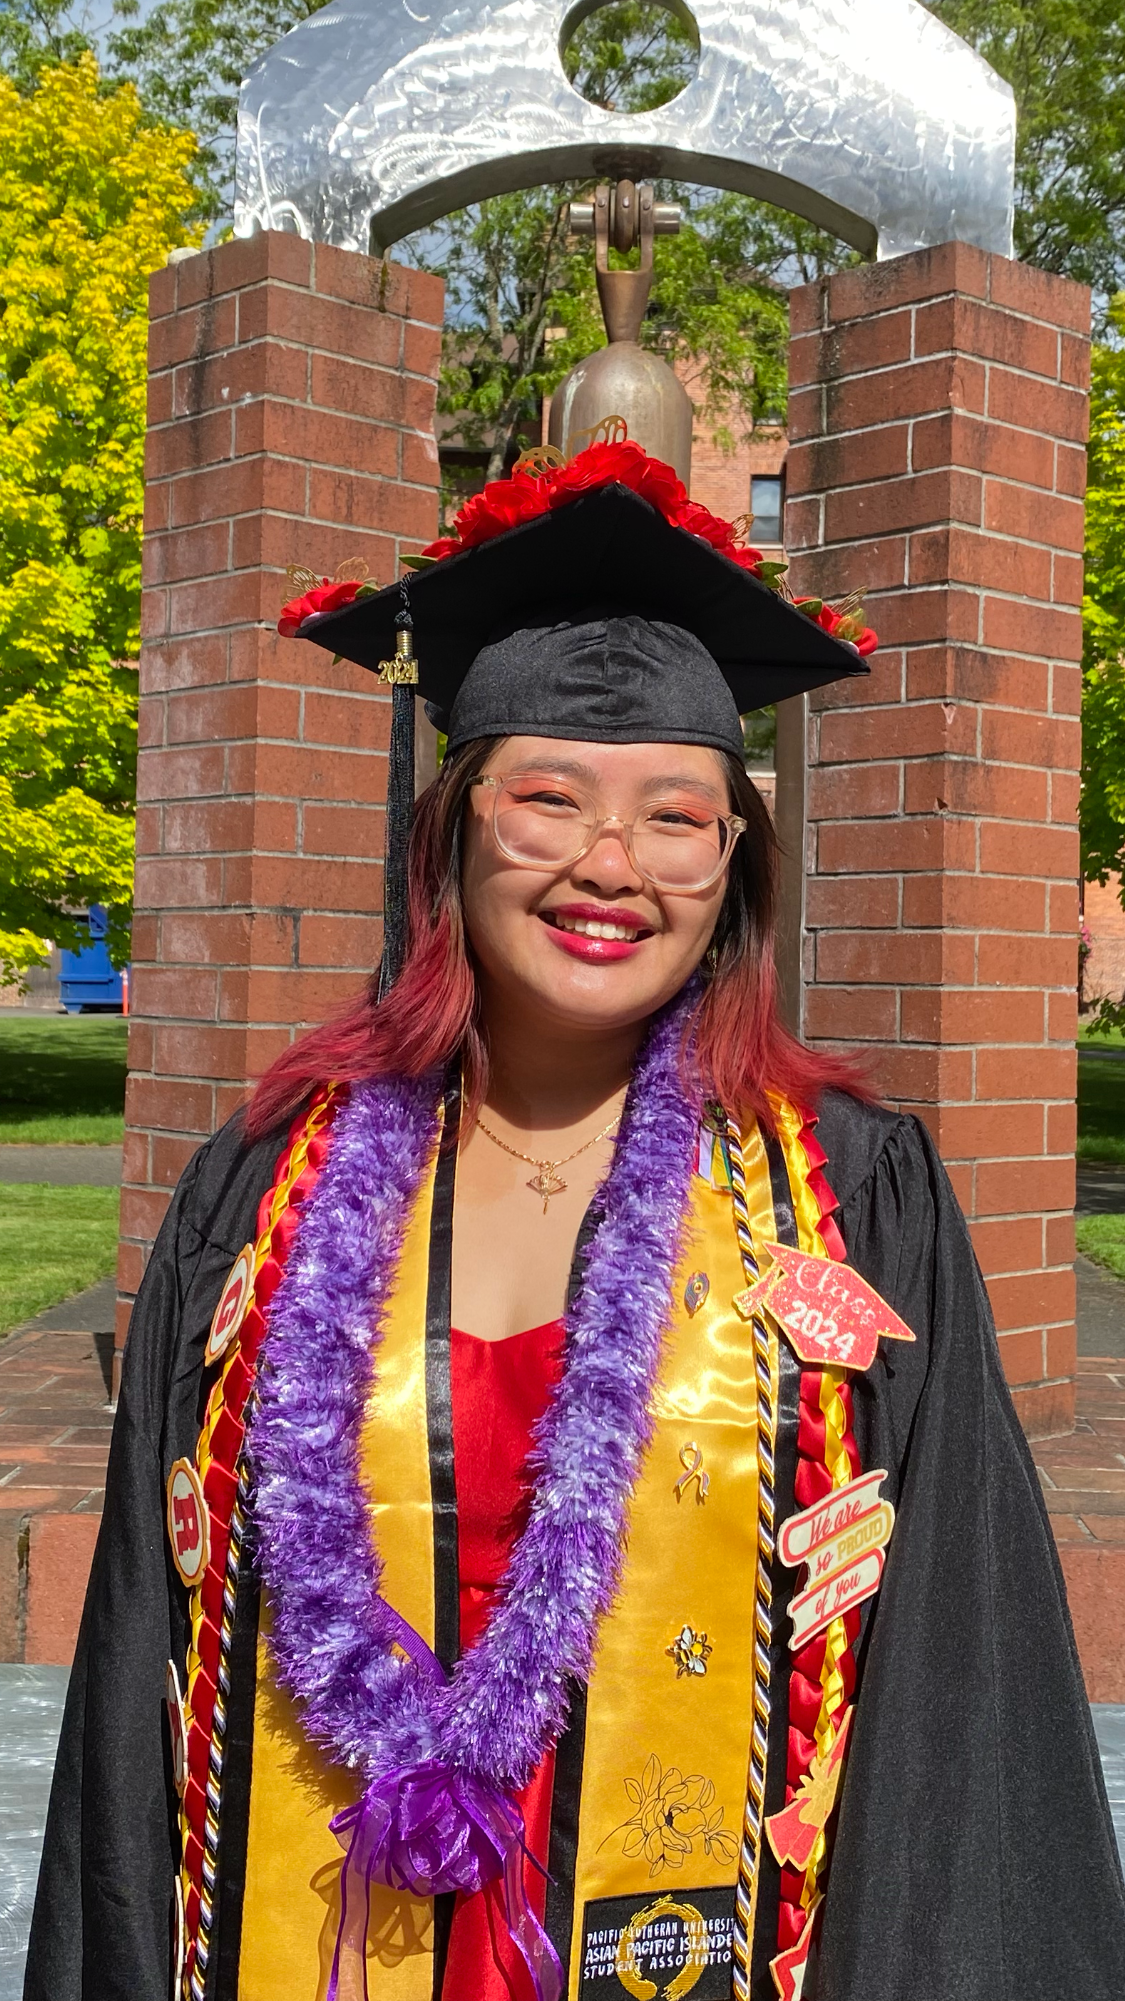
[(669, 1945)]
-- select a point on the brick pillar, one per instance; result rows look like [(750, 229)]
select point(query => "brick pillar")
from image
[(291, 407), (937, 417)]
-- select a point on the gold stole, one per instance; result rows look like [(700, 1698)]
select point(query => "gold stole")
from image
[(291, 1907), (666, 1747)]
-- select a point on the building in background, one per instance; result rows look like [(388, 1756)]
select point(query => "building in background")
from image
[(1102, 955)]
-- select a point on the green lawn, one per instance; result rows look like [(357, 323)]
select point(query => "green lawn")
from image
[(1101, 1106), (53, 1242), (1115, 1039), (1103, 1239), (62, 1078)]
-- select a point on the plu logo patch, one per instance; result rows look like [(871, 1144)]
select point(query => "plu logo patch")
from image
[(667, 1946)]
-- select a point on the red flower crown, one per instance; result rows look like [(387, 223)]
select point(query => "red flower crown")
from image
[(540, 482)]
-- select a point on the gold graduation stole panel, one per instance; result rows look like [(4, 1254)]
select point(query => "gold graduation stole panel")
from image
[(670, 1698), (291, 1908)]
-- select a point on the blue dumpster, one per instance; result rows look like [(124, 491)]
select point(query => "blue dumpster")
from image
[(88, 983)]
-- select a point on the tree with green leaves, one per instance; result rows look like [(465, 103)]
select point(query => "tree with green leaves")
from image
[(1065, 61), (1103, 619), (92, 198), (522, 303), (40, 34), (522, 300), (523, 309)]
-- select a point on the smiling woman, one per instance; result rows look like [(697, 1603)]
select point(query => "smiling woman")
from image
[(480, 1618)]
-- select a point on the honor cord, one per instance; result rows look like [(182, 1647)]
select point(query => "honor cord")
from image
[(750, 1847)]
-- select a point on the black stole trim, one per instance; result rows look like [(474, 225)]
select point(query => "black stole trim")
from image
[(439, 1400), (562, 1855), (238, 1774), (570, 1751), (439, 1427), (785, 1469)]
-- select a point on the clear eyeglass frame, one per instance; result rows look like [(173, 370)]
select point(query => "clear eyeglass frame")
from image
[(596, 827)]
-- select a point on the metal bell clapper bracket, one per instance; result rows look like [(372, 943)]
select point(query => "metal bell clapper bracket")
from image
[(649, 402)]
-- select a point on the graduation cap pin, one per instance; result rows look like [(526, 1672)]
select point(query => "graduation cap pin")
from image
[(832, 1317), (793, 1831)]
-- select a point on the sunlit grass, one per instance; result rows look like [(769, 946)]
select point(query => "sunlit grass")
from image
[(53, 1242), (62, 1079), (1102, 1238)]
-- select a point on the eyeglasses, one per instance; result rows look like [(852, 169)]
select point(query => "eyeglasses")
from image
[(676, 844)]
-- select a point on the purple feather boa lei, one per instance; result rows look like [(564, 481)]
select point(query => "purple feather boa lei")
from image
[(332, 1632)]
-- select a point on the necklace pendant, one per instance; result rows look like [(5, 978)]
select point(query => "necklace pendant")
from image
[(547, 1183)]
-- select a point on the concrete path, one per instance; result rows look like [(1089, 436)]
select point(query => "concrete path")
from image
[(1101, 1296), (31, 1702), (1100, 1310), (62, 1166), (1109, 1728), (1101, 1189), (89, 1312)]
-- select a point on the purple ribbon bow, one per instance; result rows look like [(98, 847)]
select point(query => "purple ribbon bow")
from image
[(427, 1829)]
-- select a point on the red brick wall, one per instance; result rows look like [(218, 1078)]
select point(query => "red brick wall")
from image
[(291, 401), (723, 459), (937, 420)]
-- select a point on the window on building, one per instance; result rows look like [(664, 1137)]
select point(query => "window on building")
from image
[(767, 505)]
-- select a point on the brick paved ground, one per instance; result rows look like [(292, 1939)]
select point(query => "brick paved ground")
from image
[(1083, 1479), (1083, 1475), (54, 1440)]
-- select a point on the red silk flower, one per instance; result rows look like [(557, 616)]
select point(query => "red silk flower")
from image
[(503, 504), (624, 464), (506, 503), (845, 626), (709, 527), (326, 597)]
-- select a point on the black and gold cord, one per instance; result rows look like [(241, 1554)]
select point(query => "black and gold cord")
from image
[(750, 1846)]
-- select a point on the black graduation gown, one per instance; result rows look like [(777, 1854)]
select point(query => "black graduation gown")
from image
[(974, 1858)]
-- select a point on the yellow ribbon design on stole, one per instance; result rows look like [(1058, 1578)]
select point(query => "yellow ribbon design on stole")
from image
[(665, 1760), (695, 1929), (291, 1908)]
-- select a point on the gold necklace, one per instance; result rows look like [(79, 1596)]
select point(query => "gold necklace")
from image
[(548, 1181)]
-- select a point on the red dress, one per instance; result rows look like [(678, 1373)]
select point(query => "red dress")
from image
[(499, 1391)]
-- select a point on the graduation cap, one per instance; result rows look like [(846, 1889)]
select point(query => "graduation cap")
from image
[(592, 601)]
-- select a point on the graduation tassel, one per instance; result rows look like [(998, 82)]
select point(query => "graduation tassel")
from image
[(402, 675)]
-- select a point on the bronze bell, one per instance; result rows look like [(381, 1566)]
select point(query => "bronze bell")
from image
[(623, 380)]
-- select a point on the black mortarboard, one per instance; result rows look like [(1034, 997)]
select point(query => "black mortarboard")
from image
[(598, 621), (607, 548)]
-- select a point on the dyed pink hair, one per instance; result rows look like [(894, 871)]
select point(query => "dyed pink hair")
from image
[(739, 1047)]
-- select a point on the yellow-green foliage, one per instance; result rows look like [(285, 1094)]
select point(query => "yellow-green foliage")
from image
[(92, 198)]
